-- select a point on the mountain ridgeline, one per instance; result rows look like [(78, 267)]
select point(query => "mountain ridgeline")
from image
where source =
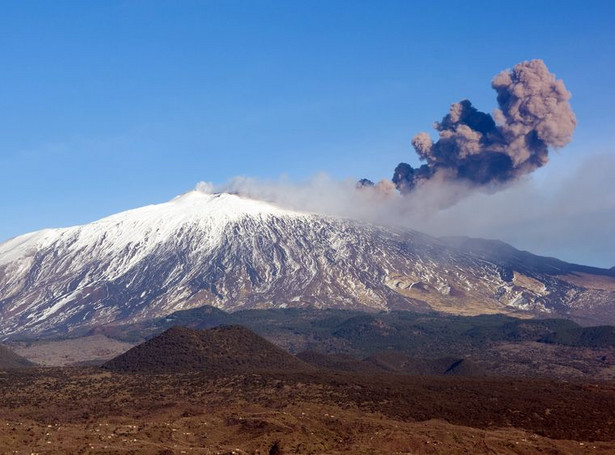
[(235, 253)]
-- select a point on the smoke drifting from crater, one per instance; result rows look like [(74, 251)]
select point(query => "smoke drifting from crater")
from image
[(480, 150), (475, 150), (454, 192)]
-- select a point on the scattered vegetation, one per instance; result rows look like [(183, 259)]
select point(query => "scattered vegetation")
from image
[(489, 344), (227, 390), (219, 350), (89, 410)]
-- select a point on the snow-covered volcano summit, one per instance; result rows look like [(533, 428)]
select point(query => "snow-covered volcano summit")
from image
[(142, 230), (147, 252), (232, 252)]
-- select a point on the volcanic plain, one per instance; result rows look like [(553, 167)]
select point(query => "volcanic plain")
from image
[(227, 390)]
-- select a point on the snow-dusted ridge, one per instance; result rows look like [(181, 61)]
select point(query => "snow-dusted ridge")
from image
[(234, 252), (149, 225)]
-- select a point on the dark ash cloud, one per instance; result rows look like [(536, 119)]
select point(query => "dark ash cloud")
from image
[(486, 151)]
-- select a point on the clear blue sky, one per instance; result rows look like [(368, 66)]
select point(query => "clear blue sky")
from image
[(110, 105)]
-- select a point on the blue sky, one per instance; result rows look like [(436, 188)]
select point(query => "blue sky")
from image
[(110, 105)]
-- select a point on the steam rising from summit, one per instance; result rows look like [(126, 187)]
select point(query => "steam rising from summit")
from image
[(481, 150), (475, 155)]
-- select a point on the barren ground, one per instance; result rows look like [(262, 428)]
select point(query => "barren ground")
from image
[(91, 411)]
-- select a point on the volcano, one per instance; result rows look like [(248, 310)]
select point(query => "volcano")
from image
[(233, 253), (218, 350)]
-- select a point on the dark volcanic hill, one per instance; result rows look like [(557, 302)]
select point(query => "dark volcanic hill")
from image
[(223, 349), (338, 362), (10, 360), (401, 363), (235, 253), (394, 362), (590, 337)]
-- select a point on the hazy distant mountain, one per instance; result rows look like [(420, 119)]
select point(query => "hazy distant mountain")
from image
[(236, 253)]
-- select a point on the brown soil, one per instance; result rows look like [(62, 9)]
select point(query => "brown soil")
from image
[(587, 280), (529, 358), (91, 411)]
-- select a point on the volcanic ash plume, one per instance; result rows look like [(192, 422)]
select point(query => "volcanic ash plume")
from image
[(483, 150)]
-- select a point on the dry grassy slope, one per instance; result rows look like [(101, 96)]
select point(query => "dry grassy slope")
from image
[(590, 281)]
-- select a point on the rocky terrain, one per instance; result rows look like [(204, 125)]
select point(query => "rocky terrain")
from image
[(205, 411), (495, 345), (406, 342), (337, 337)]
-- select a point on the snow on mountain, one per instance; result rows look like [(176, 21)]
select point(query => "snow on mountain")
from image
[(146, 227), (234, 253)]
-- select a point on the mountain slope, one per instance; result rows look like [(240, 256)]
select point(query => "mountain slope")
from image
[(236, 253), (10, 360), (197, 249), (507, 256)]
